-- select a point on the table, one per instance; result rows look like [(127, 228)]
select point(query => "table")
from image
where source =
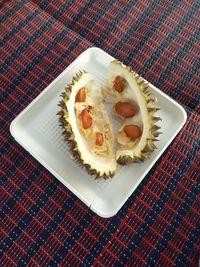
[(42, 222)]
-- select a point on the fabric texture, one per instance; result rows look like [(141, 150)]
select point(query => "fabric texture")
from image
[(42, 222)]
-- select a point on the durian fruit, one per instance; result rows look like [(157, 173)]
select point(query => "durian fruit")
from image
[(86, 126), (135, 105), (95, 140)]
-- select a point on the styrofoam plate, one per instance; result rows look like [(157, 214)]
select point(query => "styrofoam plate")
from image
[(36, 128)]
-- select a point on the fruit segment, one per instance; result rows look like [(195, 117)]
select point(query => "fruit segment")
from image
[(86, 126)]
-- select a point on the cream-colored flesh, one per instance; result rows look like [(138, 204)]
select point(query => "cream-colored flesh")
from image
[(102, 164), (132, 93)]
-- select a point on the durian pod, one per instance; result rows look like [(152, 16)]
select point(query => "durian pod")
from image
[(99, 166), (133, 104), (136, 89)]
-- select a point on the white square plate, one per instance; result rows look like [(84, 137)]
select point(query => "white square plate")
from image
[(36, 128)]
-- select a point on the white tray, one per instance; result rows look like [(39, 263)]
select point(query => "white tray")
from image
[(36, 128)]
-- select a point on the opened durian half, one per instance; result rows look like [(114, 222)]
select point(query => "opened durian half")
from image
[(134, 104), (94, 141), (87, 127)]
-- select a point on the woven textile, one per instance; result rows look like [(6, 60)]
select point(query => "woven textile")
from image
[(42, 222)]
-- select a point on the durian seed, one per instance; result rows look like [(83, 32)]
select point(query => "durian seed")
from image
[(81, 95), (119, 84), (132, 131), (86, 118), (126, 109), (99, 139)]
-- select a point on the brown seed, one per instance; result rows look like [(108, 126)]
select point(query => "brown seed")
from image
[(86, 119), (81, 95), (99, 139), (132, 131), (119, 84), (125, 109)]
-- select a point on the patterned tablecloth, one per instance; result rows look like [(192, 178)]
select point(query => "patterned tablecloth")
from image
[(42, 222)]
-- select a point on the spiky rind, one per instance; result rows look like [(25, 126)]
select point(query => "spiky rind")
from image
[(150, 100), (68, 132), (146, 149)]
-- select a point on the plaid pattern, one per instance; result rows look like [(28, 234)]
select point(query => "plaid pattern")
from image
[(42, 222)]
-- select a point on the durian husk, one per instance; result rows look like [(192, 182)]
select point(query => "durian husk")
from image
[(123, 156), (145, 146), (69, 136)]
